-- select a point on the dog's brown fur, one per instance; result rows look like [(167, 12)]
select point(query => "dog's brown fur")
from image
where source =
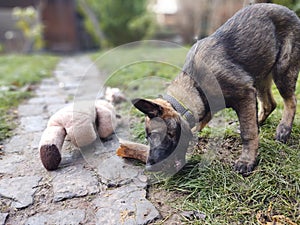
[(237, 63)]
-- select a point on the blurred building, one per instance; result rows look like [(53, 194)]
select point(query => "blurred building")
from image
[(193, 18), (63, 26)]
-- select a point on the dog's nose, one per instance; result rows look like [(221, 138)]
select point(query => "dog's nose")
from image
[(148, 167), (149, 164)]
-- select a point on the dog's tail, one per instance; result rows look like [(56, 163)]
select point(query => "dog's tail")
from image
[(289, 51)]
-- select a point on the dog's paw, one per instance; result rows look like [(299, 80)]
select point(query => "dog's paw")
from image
[(283, 133), (50, 156), (244, 167)]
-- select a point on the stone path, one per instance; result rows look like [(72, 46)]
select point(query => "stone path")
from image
[(95, 187)]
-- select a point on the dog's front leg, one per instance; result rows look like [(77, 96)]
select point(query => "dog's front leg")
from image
[(247, 112)]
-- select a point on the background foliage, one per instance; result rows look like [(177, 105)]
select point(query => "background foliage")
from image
[(31, 27), (292, 4), (120, 21)]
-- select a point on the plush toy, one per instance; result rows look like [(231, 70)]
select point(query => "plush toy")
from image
[(82, 122)]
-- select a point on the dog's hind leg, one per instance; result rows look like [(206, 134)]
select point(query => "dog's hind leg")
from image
[(267, 102), (286, 86), (285, 77)]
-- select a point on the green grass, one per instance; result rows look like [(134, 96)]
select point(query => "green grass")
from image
[(228, 198), (208, 183), (17, 71), (127, 64)]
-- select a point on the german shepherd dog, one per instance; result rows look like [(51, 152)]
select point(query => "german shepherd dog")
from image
[(260, 43)]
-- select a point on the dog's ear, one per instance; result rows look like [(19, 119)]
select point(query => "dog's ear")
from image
[(151, 109)]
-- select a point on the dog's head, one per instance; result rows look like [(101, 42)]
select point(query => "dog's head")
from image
[(166, 132)]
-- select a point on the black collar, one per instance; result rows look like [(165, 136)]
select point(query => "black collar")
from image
[(180, 108)]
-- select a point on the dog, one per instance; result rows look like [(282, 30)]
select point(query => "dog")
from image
[(237, 63)]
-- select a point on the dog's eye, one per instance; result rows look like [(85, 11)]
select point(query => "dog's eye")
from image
[(171, 134), (153, 135), (148, 135)]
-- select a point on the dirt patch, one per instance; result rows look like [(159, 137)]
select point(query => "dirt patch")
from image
[(165, 202), (226, 151)]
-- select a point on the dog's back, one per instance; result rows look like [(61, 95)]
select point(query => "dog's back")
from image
[(257, 39), (262, 35)]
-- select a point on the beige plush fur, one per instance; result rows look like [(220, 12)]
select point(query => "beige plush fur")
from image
[(82, 122)]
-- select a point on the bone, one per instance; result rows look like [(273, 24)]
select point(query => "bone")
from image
[(133, 150)]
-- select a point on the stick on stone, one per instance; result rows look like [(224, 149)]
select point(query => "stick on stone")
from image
[(133, 150)]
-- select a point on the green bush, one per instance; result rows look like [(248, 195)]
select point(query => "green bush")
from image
[(32, 29), (292, 4), (120, 21)]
